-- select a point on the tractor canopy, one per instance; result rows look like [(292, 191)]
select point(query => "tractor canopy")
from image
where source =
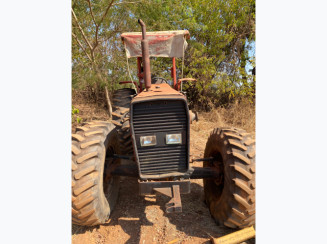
[(161, 43)]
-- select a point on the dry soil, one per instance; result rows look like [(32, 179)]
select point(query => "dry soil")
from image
[(138, 219)]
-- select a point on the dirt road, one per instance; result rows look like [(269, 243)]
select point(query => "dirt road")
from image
[(142, 220)]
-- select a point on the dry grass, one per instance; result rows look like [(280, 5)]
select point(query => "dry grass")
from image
[(88, 110), (240, 114)]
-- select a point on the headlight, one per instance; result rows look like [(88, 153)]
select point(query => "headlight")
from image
[(174, 139), (148, 141)]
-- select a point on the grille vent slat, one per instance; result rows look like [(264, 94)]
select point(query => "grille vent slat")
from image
[(161, 170), (155, 117), (170, 121), (165, 165), (150, 161), (177, 117)]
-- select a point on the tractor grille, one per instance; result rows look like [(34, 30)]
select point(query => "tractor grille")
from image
[(160, 118)]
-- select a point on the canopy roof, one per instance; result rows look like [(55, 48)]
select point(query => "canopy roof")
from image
[(161, 43)]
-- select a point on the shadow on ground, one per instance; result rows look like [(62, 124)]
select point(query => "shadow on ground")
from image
[(129, 214), (195, 220), (135, 214)]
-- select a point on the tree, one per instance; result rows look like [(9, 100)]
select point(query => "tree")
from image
[(222, 33), (95, 28)]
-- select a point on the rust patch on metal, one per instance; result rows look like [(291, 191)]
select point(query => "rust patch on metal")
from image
[(175, 204), (158, 90)]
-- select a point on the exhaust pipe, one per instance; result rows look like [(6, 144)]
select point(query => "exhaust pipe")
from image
[(145, 57)]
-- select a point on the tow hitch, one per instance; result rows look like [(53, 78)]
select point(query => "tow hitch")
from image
[(172, 189)]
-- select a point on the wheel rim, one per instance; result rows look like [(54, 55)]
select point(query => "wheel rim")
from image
[(217, 185), (108, 180)]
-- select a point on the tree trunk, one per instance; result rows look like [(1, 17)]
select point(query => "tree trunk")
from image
[(108, 102)]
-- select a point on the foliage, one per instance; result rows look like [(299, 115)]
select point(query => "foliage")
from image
[(222, 36), (75, 118)]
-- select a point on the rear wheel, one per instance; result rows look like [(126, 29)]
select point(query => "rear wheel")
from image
[(121, 103), (94, 192), (231, 197)]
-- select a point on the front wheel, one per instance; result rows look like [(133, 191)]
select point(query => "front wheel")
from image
[(94, 193), (231, 197)]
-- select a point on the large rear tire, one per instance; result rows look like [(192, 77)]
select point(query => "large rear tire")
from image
[(121, 103), (231, 198), (94, 193)]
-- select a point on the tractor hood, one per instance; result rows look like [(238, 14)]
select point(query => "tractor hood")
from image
[(158, 91)]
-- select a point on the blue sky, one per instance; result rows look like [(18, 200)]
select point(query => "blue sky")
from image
[(248, 66)]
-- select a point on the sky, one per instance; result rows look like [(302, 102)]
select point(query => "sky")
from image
[(248, 66)]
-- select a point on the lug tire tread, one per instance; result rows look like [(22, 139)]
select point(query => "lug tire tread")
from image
[(235, 206), (90, 205), (121, 102)]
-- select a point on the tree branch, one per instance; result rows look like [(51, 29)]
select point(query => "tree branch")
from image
[(89, 2), (83, 34), (108, 102), (74, 3), (109, 6), (80, 44), (126, 2), (98, 25)]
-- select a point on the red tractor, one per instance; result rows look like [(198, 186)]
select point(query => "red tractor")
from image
[(149, 138)]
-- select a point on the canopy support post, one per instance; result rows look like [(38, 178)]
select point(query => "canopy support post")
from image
[(173, 72)]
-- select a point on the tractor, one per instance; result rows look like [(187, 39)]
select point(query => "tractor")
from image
[(148, 138)]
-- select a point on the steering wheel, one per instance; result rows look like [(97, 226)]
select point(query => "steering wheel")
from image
[(158, 80)]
